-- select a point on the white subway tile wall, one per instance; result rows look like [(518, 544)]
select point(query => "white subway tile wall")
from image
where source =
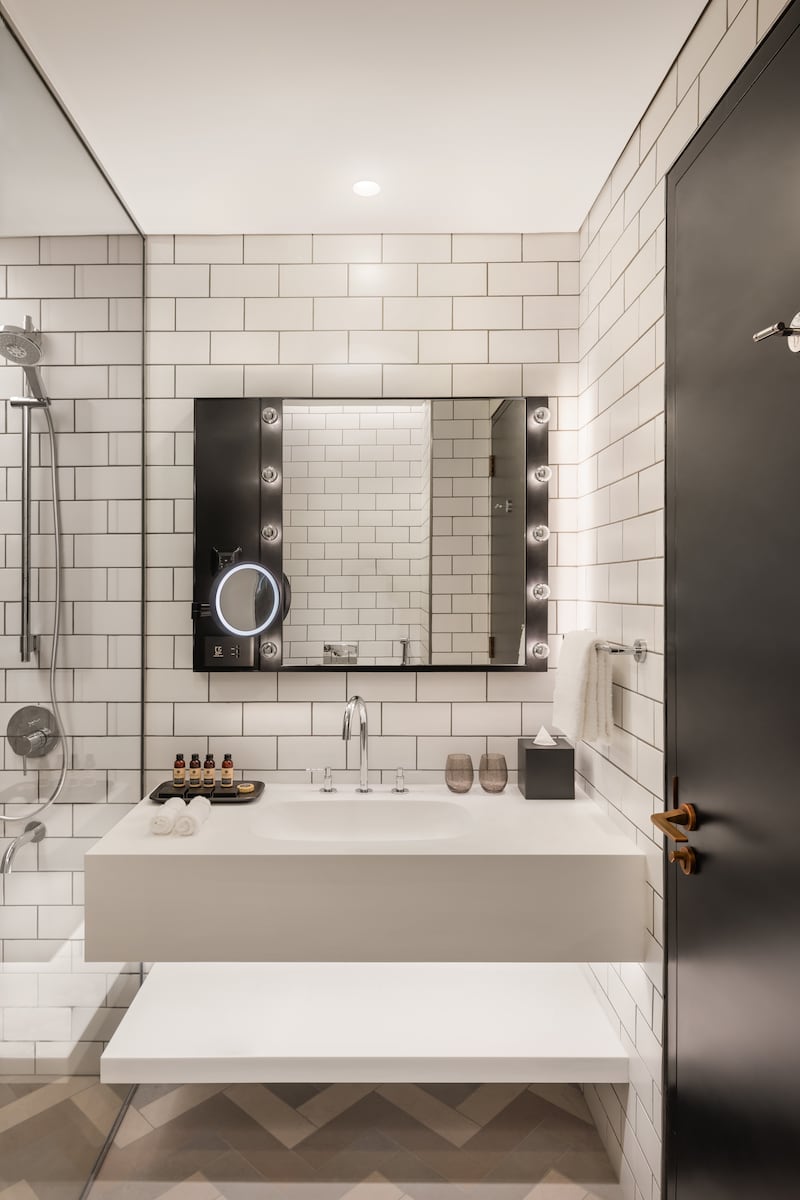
[(392, 316), (85, 293), (619, 548)]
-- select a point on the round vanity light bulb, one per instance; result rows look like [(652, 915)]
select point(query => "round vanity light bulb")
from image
[(543, 474), (269, 532), (268, 650), (540, 591), (540, 650), (269, 474), (541, 415), (366, 187), (269, 416), (540, 533)]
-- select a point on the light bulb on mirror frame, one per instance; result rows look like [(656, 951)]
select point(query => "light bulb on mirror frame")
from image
[(540, 591), (541, 415), (542, 474), (540, 650), (540, 533)]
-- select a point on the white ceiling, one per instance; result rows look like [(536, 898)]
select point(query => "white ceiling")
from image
[(258, 115)]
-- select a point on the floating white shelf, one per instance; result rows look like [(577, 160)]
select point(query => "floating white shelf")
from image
[(365, 1022)]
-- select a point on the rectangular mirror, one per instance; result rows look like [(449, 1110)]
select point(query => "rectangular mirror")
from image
[(406, 532)]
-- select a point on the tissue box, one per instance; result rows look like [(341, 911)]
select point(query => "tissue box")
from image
[(546, 772)]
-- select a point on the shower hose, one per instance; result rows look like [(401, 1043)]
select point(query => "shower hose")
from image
[(62, 775)]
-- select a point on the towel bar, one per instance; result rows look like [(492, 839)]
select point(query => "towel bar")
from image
[(638, 649)]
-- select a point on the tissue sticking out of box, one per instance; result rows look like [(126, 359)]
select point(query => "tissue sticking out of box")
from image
[(543, 738)]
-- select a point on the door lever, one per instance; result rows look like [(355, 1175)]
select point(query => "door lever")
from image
[(668, 822), (781, 329)]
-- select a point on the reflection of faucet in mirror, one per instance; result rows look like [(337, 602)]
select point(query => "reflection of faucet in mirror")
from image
[(353, 704), (405, 651)]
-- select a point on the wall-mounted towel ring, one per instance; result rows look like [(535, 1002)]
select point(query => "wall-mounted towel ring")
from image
[(790, 331)]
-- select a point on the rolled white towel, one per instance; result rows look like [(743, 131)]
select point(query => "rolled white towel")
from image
[(197, 811), (163, 821)]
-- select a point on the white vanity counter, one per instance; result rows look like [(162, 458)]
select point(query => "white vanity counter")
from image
[(300, 876)]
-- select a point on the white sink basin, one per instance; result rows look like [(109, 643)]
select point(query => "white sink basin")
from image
[(369, 820)]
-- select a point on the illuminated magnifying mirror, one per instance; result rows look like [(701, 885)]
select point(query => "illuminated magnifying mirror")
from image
[(245, 599)]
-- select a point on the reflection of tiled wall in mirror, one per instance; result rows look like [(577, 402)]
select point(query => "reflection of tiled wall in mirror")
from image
[(462, 444), (356, 529)]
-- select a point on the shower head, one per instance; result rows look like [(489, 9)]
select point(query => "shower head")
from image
[(22, 347)]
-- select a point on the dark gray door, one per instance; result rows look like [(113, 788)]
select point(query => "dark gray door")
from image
[(733, 641), (507, 572)]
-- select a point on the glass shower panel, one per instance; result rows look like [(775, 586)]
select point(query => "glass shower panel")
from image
[(71, 271)]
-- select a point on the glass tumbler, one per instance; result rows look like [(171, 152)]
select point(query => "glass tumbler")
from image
[(459, 773), (493, 772)]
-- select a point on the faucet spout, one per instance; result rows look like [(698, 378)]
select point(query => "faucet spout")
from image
[(356, 704), (34, 831)]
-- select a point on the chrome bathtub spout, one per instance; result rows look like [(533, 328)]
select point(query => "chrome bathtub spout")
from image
[(34, 831), (356, 704)]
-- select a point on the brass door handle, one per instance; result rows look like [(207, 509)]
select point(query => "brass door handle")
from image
[(685, 858), (669, 822)]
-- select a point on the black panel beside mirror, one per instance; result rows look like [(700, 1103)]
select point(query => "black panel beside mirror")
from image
[(239, 594), (371, 533)]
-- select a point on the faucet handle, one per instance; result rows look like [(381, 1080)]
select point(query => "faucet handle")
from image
[(400, 782)]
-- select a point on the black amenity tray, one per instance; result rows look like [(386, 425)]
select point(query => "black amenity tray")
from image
[(217, 794)]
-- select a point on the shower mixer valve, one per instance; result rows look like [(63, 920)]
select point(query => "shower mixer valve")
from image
[(31, 733)]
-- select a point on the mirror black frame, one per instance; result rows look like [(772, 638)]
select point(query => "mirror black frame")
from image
[(238, 518)]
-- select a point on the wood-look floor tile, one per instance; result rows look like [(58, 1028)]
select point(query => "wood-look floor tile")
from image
[(272, 1113), (374, 1187), (453, 1094), (196, 1187), (439, 1117), (512, 1125), (177, 1101), (488, 1100), (564, 1095), (41, 1099), (19, 1191), (297, 1094), (332, 1101), (100, 1105), (556, 1186), (588, 1167)]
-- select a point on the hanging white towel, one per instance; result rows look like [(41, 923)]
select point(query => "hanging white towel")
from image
[(582, 698), (163, 821), (196, 813)]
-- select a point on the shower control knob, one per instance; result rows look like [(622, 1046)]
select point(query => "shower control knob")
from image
[(31, 731)]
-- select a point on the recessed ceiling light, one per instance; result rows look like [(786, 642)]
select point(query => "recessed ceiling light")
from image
[(366, 187)]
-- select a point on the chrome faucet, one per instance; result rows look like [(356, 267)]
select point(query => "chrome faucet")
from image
[(34, 831), (353, 704)]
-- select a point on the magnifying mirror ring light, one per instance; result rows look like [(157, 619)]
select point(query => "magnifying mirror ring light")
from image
[(216, 598)]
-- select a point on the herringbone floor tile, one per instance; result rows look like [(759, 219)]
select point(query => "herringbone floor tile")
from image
[(303, 1142)]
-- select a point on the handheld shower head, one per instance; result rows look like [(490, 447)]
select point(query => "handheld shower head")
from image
[(22, 347)]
